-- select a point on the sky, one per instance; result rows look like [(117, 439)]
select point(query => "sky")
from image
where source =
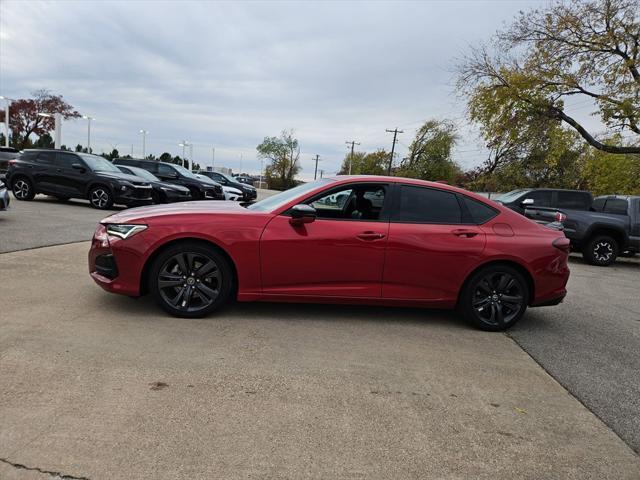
[(227, 74)]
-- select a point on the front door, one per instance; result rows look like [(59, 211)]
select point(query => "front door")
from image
[(340, 254), (70, 181), (430, 249)]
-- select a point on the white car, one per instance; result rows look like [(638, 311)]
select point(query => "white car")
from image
[(231, 193)]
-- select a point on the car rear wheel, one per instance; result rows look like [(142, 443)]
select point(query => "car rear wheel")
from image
[(101, 198), (23, 189), (495, 298), (601, 250), (191, 280)]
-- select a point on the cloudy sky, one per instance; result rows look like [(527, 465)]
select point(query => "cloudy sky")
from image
[(227, 74)]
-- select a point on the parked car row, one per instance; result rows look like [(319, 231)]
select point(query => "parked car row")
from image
[(601, 229), (125, 181)]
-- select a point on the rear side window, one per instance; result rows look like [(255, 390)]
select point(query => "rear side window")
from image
[(427, 205), (46, 157), (479, 212), (573, 200), (617, 206)]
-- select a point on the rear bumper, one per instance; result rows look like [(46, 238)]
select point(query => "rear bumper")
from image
[(4, 198)]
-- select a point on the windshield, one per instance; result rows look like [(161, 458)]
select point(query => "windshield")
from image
[(509, 196), (99, 164), (276, 201), (184, 171), (204, 179), (141, 172)]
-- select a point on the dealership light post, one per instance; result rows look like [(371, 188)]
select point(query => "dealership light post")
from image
[(88, 118), (185, 144), (7, 102), (144, 142), (57, 118), (213, 157)]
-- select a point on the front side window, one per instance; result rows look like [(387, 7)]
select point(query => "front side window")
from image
[(352, 202), (166, 170), (427, 205), (65, 160), (541, 198)]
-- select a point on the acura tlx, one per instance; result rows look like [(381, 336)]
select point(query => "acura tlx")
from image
[(353, 239)]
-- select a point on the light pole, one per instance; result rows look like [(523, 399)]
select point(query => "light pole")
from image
[(57, 118), (7, 102), (185, 144), (144, 142), (213, 157), (240, 172), (88, 131)]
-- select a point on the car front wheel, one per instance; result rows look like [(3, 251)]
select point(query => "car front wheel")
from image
[(101, 198), (191, 280), (494, 298)]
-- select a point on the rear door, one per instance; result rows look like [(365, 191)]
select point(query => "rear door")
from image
[(432, 245)]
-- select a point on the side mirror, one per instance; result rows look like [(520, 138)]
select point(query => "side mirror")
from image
[(77, 166), (527, 201), (301, 214)]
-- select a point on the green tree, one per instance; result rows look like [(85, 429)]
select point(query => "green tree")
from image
[(608, 173), (283, 153), (572, 49), (365, 163), (430, 153)]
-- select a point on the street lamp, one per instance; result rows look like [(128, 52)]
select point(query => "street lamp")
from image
[(7, 101), (185, 144), (57, 117), (88, 118), (144, 140)]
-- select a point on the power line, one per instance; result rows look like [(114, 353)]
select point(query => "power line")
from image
[(393, 146), (352, 142)]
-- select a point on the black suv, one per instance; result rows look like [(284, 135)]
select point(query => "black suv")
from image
[(169, 172), (249, 192), (65, 175)]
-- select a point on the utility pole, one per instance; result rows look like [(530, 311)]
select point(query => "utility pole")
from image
[(315, 173), (321, 173), (393, 147), (352, 142)]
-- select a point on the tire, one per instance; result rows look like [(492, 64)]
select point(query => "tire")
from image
[(23, 188), (482, 300), (179, 289), (601, 250), (101, 198)]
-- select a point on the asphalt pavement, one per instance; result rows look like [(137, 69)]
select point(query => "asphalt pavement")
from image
[(591, 342)]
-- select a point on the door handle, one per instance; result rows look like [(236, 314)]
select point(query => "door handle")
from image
[(465, 233), (370, 236)]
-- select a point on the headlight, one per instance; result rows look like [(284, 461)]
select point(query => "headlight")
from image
[(124, 230)]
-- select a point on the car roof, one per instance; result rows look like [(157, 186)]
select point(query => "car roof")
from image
[(340, 179)]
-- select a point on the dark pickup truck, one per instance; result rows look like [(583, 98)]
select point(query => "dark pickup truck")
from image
[(611, 227)]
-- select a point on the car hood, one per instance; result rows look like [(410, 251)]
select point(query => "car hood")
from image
[(170, 186), (122, 176), (203, 207)]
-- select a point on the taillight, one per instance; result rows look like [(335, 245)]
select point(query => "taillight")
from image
[(562, 243), (560, 217), (13, 162)]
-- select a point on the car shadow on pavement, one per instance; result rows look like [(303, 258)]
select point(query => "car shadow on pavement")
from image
[(621, 262), (71, 202), (144, 308)]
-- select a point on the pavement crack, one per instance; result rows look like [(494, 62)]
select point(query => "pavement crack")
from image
[(56, 475)]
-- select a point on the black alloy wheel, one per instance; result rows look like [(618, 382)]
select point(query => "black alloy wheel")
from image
[(23, 189), (191, 280), (495, 298), (601, 250), (101, 198)]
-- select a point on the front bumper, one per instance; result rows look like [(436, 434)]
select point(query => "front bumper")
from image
[(4, 198), (248, 195), (134, 197), (176, 196)]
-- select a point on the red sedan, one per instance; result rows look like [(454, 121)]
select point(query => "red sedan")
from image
[(364, 239)]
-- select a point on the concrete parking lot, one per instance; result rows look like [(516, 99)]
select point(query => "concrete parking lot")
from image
[(94, 385)]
